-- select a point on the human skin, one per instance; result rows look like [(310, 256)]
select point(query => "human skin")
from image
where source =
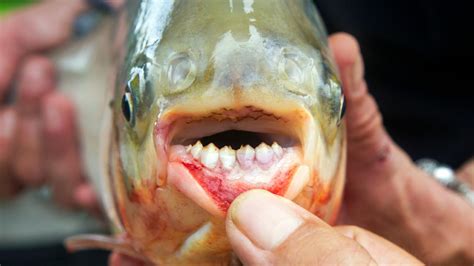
[(265, 229), (406, 206), (38, 142)]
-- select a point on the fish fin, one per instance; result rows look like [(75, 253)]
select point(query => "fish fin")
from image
[(93, 241)]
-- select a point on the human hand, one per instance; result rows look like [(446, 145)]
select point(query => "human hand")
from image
[(265, 229), (38, 142), (386, 192)]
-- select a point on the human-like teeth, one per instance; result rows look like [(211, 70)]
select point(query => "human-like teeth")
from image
[(210, 156), (188, 148), (196, 150), (264, 153), (245, 156), (227, 157), (277, 149)]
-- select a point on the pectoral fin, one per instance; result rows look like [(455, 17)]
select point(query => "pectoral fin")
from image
[(92, 241)]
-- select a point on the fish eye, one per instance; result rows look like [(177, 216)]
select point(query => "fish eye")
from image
[(127, 105)]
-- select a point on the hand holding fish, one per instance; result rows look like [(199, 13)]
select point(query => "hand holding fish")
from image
[(265, 229), (386, 192), (38, 142)]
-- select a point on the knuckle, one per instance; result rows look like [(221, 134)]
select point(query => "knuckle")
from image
[(346, 254), (37, 76), (39, 63), (365, 120)]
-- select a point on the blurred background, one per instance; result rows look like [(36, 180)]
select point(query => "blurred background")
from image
[(7, 6), (423, 93), (32, 226)]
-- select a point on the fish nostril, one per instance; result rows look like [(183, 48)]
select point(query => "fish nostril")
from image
[(292, 69), (181, 72), (289, 69)]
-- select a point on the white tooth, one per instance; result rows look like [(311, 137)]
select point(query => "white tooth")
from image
[(188, 148), (227, 156), (299, 181), (245, 155), (196, 150), (210, 156), (264, 153), (277, 149)]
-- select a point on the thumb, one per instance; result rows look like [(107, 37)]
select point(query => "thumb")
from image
[(265, 229), (371, 152), (367, 139)]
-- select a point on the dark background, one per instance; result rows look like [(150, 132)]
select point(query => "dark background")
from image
[(415, 55), (52, 255)]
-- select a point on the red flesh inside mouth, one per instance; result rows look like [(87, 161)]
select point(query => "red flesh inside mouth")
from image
[(231, 152)]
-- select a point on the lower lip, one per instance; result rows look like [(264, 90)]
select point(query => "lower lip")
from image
[(224, 191)]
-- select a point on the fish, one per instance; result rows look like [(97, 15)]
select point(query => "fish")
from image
[(210, 99)]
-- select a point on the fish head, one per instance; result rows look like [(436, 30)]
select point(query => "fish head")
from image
[(218, 104)]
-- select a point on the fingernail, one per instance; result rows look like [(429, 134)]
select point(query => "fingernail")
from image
[(264, 218)]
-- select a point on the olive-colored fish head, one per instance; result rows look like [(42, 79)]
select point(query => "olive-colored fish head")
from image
[(216, 98)]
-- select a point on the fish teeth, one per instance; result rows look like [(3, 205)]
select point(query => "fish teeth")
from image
[(227, 157), (277, 149), (246, 155), (196, 150), (188, 148), (210, 156), (264, 153)]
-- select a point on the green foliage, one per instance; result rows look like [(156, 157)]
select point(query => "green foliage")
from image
[(10, 5)]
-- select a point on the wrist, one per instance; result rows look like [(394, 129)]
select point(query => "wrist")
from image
[(437, 223)]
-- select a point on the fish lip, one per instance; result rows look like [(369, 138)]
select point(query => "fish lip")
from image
[(167, 128), (170, 131)]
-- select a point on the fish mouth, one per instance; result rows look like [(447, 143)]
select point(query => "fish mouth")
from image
[(223, 153)]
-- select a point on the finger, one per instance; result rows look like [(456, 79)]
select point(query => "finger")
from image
[(375, 161), (383, 251), (265, 229), (36, 79), (8, 127), (466, 172), (367, 139), (8, 122), (117, 259), (63, 164), (38, 28)]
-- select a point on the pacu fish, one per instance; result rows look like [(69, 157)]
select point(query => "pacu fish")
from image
[(213, 98)]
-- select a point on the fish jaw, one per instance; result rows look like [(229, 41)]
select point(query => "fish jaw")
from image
[(178, 216), (213, 176), (214, 190)]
